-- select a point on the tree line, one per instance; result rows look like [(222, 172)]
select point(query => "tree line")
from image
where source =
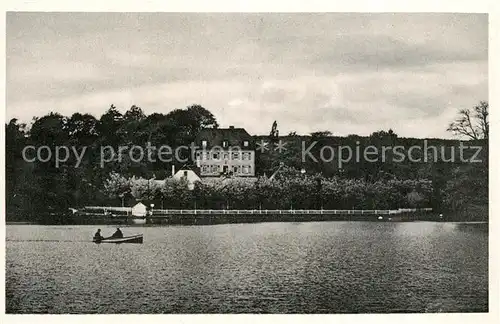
[(290, 189), (35, 186)]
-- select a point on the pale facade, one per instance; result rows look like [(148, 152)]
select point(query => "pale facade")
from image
[(139, 210), (227, 151)]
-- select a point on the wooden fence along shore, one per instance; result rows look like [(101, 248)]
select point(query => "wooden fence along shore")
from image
[(159, 212), (117, 215)]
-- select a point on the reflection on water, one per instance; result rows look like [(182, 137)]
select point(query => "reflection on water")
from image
[(328, 267)]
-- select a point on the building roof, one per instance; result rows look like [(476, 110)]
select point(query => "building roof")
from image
[(146, 202), (180, 173), (216, 137)]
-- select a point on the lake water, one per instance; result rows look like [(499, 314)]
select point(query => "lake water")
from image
[(323, 267)]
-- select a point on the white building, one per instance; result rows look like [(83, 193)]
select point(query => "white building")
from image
[(189, 175), (139, 210)]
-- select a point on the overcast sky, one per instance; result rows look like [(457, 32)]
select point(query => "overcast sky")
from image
[(347, 73)]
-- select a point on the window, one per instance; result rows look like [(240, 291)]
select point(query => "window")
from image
[(235, 155), (247, 169), (204, 144), (226, 156), (224, 144), (245, 156), (185, 174), (245, 143), (204, 168), (214, 168), (216, 155)]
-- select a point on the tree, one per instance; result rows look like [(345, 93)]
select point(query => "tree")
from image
[(15, 167), (117, 185), (384, 136), (472, 124), (383, 166), (201, 117), (274, 130), (467, 191), (50, 130), (108, 126), (134, 113), (82, 129), (144, 189), (415, 199), (133, 130), (176, 193), (188, 122), (321, 134)]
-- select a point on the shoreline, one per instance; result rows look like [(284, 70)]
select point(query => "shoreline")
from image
[(199, 224), (113, 216)]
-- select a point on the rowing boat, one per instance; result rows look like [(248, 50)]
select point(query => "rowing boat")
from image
[(126, 239)]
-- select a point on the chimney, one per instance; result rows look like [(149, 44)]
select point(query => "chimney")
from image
[(231, 127), (173, 170)]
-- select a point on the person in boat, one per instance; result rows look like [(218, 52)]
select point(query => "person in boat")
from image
[(98, 236), (117, 234)]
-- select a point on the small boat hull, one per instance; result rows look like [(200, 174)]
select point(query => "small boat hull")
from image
[(137, 239)]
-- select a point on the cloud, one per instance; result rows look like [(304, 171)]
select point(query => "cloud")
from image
[(347, 73), (381, 52)]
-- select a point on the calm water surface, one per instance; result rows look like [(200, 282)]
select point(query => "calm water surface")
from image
[(325, 267)]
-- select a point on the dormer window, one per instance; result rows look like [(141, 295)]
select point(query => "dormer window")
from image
[(224, 144), (204, 144), (245, 143)]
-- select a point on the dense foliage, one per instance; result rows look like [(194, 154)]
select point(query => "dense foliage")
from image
[(32, 187), (288, 191)]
